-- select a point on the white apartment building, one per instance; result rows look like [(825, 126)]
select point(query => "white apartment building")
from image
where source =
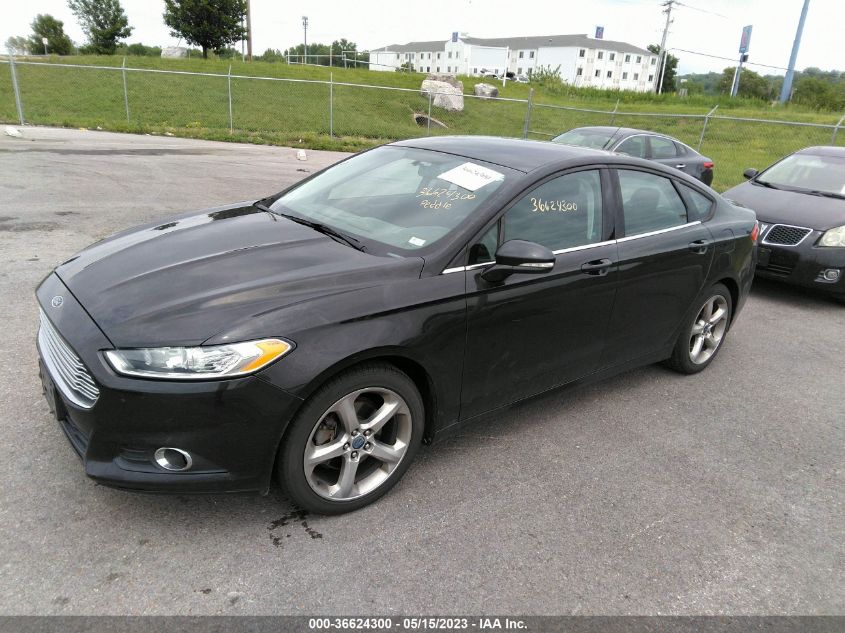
[(583, 60)]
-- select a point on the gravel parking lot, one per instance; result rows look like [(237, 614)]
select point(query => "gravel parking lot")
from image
[(650, 493)]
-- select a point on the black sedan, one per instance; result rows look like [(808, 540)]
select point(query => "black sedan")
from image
[(325, 332), (800, 201), (642, 144)]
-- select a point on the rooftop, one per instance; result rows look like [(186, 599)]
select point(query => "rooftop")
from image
[(525, 42)]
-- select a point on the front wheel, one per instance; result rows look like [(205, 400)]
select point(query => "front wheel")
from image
[(353, 440), (702, 339)]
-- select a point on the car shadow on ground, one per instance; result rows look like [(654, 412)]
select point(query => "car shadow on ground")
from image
[(797, 296)]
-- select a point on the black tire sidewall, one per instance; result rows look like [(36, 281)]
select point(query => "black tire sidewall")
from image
[(291, 452), (681, 360)]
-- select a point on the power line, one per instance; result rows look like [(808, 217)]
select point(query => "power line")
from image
[(730, 59)]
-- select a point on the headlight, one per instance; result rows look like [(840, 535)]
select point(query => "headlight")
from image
[(198, 363), (834, 237)]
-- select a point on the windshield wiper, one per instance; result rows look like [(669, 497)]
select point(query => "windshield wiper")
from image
[(764, 183), (325, 229), (827, 194)]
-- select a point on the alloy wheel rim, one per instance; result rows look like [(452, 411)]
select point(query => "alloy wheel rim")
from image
[(708, 330), (357, 444)]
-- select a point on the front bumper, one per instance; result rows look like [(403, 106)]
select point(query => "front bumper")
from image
[(231, 428), (802, 265)]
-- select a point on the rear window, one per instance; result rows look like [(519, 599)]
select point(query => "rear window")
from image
[(596, 139), (701, 204)]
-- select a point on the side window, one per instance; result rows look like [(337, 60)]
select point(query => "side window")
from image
[(561, 213), (484, 249), (662, 148), (634, 146), (701, 204), (649, 202)]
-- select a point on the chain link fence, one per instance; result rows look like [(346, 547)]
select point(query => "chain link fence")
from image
[(284, 110)]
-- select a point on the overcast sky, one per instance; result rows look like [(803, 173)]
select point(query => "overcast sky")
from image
[(375, 23)]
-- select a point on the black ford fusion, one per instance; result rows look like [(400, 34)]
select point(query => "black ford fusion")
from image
[(323, 333), (800, 202)]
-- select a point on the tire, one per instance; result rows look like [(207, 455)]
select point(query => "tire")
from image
[(352, 440), (703, 337)]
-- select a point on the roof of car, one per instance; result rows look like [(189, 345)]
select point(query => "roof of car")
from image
[(621, 131), (509, 152), (823, 150)]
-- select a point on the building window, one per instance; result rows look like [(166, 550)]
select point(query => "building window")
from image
[(636, 76), (612, 56), (651, 77), (448, 69), (450, 54), (627, 58), (639, 59), (397, 56), (600, 55), (438, 55), (579, 71), (531, 54), (521, 54), (598, 73), (581, 53), (653, 61), (609, 74), (519, 71), (428, 69), (438, 69), (475, 71), (624, 75)]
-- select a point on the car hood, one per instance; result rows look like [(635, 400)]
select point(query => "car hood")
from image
[(789, 207), (187, 279)]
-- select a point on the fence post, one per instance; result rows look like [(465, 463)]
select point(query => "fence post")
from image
[(836, 129), (704, 127), (125, 91), (613, 114), (16, 89), (331, 104), (231, 117), (428, 131), (527, 114)]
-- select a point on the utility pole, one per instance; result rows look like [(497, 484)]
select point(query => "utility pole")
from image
[(305, 36), (248, 30), (658, 77), (786, 91)]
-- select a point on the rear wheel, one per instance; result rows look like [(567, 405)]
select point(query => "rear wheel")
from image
[(702, 339), (353, 440)]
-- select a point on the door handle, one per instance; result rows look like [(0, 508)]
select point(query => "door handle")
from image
[(699, 246), (681, 166), (596, 267)]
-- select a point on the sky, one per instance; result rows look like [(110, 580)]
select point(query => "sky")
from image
[(704, 26)]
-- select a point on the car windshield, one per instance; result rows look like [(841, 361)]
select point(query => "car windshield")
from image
[(807, 172), (595, 139), (402, 197)]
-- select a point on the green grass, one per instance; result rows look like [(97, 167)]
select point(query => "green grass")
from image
[(297, 113)]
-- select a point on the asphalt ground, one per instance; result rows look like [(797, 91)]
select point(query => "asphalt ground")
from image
[(649, 493)]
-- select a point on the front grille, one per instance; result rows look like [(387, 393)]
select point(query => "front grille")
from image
[(67, 371), (786, 235)]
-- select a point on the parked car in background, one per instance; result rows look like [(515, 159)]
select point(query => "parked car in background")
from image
[(321, 333), (643, 144), (800, 202), (522, 79)]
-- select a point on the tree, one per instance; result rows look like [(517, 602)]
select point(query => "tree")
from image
[(671, 71), (211, 24), (17, 45), (58, 43), (103, 21), (750, 84)]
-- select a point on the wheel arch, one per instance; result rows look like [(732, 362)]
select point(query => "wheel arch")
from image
[(733, 287)]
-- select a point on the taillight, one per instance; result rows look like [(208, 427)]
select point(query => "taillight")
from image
[(755, 232), (708, 165)]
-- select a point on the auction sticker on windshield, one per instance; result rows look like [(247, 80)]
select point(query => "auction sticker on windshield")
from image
[(471, 176)]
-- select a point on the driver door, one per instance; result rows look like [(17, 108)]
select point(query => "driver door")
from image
[(530, 333)]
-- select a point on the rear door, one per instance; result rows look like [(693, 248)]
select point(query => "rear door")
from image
[(665, 151), (533, 332), (664, 253)]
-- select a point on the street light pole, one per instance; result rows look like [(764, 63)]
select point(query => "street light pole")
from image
[(305, 36), (787, 81), (248, 30)]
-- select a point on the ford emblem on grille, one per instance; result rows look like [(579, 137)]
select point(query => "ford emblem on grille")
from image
[(57, 301)]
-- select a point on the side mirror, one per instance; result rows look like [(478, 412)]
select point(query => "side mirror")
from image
[(519, 257), (750, 173)]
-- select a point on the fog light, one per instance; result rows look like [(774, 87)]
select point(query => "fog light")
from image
[(173, 458), (830, 274)]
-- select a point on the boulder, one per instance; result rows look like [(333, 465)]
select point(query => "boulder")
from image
[(449, 79), (445, 95), (174, 52), (486, 90)]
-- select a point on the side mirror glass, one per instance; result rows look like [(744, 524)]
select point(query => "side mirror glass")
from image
[(750, 173), (519, 257)]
